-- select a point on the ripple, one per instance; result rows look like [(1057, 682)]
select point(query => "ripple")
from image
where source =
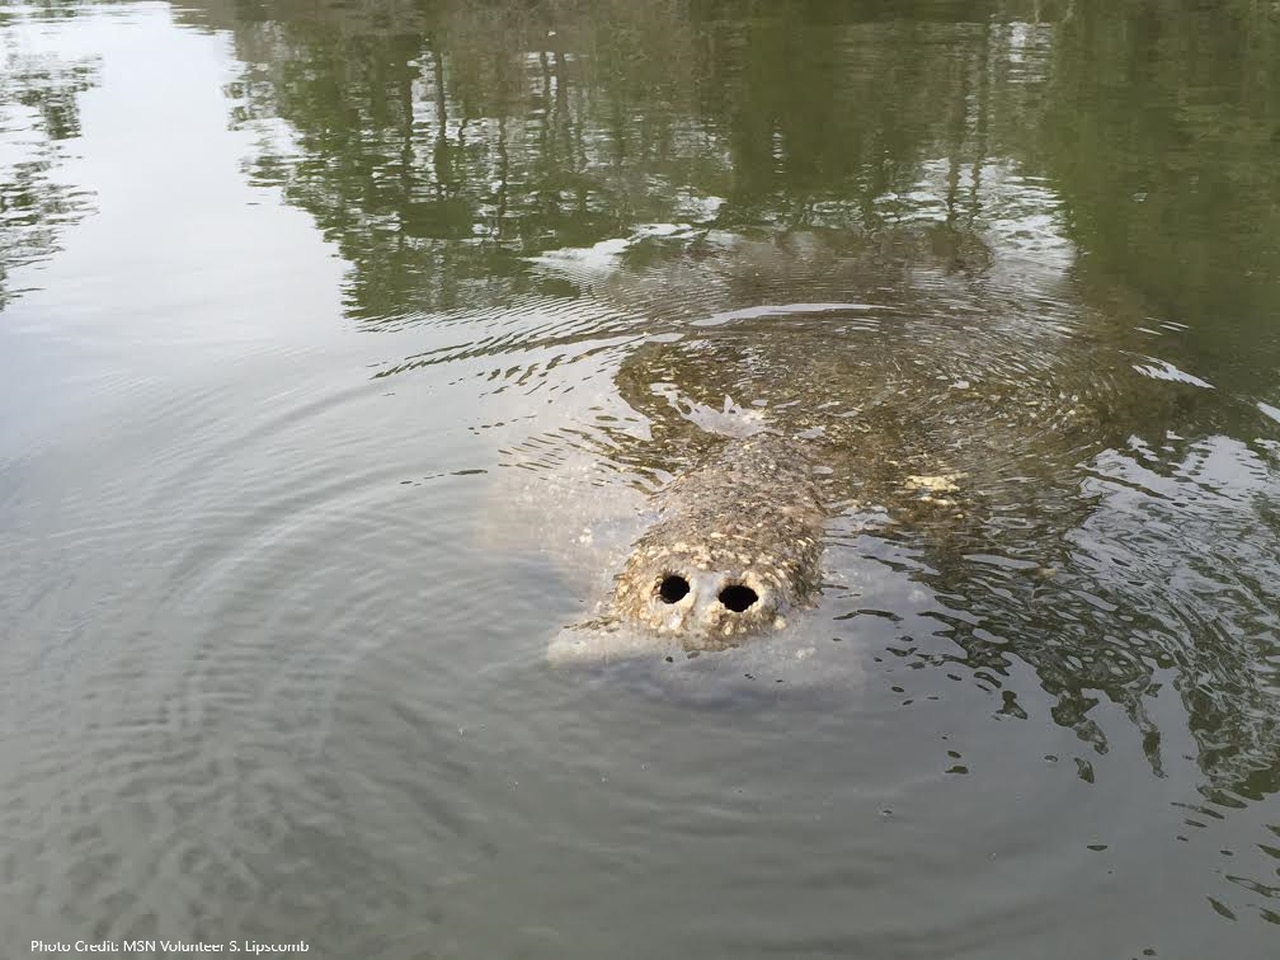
[(220, 605)]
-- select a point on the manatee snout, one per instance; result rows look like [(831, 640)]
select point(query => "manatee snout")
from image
[(736, 547), (717, 604)]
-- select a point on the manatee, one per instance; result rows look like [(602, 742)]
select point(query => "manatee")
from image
[(951, 401), (735, 549)]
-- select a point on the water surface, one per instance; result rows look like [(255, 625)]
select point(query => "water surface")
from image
[(341, 344)]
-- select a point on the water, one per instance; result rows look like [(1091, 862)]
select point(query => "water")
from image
[(341, 344)]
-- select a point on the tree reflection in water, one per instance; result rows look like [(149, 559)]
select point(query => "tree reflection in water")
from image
[(39, 115), (1012, 205)]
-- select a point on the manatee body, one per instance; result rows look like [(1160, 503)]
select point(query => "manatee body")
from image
[(737, 546)]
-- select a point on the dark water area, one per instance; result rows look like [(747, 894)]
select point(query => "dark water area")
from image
[(341, 345)]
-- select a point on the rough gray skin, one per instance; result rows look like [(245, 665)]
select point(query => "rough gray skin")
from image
[(750, 523)]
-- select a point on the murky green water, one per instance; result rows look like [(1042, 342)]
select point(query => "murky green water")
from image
[(341, 342)]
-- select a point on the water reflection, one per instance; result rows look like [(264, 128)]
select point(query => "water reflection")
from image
[(950, 185), (441, 145), (932, 238), (39, 115), (1176, 196)]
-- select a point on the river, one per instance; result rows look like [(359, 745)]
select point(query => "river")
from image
[(342, 343)]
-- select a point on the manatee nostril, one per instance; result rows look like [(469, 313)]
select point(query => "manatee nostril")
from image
[(738, 597), (673, 588)]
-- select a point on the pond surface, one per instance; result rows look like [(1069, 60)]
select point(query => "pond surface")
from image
[(341, 344)]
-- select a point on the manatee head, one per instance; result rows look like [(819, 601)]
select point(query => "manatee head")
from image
[(737, 547), (712, 593)]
